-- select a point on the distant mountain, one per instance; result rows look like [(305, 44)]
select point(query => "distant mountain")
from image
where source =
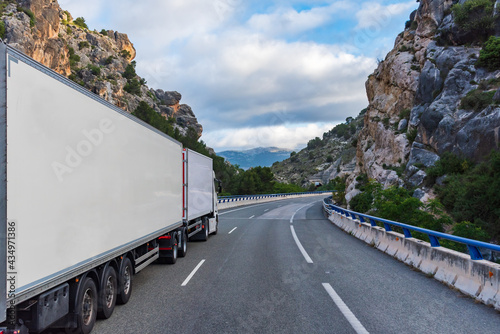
[(260, 156)]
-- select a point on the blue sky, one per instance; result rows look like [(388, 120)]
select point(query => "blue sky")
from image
[(257, 73)]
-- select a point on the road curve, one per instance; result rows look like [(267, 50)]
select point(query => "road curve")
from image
[(255, 276)]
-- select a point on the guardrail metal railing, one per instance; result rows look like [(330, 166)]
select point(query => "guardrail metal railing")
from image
[(224, 199), (472, 245)]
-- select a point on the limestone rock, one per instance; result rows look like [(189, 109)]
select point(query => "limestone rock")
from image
[(430, 78), (95, 60)]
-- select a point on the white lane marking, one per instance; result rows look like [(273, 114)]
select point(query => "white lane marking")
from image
[(186, 281), (293, 216), (358, 327), (251, 217), (302, 250), (232, 230), (266, 210)]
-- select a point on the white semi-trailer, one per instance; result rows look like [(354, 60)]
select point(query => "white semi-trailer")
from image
[(89, 196)]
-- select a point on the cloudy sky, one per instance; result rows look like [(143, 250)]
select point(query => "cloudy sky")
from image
[(256, 73)]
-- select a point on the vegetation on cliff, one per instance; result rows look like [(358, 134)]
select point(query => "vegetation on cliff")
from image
[(323, 159), (423, 154)]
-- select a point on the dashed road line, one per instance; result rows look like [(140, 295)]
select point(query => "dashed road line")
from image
[(186, 281), (355, 323), (232, 230)]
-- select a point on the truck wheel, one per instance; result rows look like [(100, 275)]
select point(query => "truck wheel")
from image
[(125, 281), (108, 293), (172, 259), (86, 306), (183, 244)]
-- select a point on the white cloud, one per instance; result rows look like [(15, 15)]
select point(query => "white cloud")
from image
[(289, 137), (246, 78), (286, 20), (241, 70), (377, 16)]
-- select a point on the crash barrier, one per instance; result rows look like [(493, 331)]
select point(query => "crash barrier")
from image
[(470, 274), (226, 202)]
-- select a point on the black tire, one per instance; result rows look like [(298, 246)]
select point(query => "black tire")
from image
[(172, 259), (183, 244), (125, 281), (86, 307), (108, 293)]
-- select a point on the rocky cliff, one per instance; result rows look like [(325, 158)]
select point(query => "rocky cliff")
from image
[(430, 96), (100, 61), (323, 159)]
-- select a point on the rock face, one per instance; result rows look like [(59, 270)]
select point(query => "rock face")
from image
[(415, 95), (323, 160), (96, 60)]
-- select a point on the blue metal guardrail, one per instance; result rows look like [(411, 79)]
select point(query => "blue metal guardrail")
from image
[(225, 199), (472, 245)]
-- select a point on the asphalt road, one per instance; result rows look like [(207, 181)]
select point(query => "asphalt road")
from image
[(252, 277)]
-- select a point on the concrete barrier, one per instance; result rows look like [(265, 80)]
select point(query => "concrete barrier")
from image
[(479, 279), (241, 202)]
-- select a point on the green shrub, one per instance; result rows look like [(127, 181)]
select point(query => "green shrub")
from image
[(329, 159), (489, 56), (29, 13), (125, 54), (405, 113), (362, 202), (96, 70), (468, 230), (411, 134), (133, 86), (3, 4), (130, 71), (386, 121), (104, 32), (313, 143), (449, 163), (472, 195), (69, 31), (362, 180), (83, 44), (80, 21), (475, 16), (477, 100), (2, 29), (109, 60), (73, 58)]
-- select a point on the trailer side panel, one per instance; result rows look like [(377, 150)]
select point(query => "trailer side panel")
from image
[(84, 179), (3, 185), (200, 185)]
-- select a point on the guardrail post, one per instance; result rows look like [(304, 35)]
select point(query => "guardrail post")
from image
[(407, 233), (434, 241), (372, 222), (475, 254), (387, 227), (361, 219)]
